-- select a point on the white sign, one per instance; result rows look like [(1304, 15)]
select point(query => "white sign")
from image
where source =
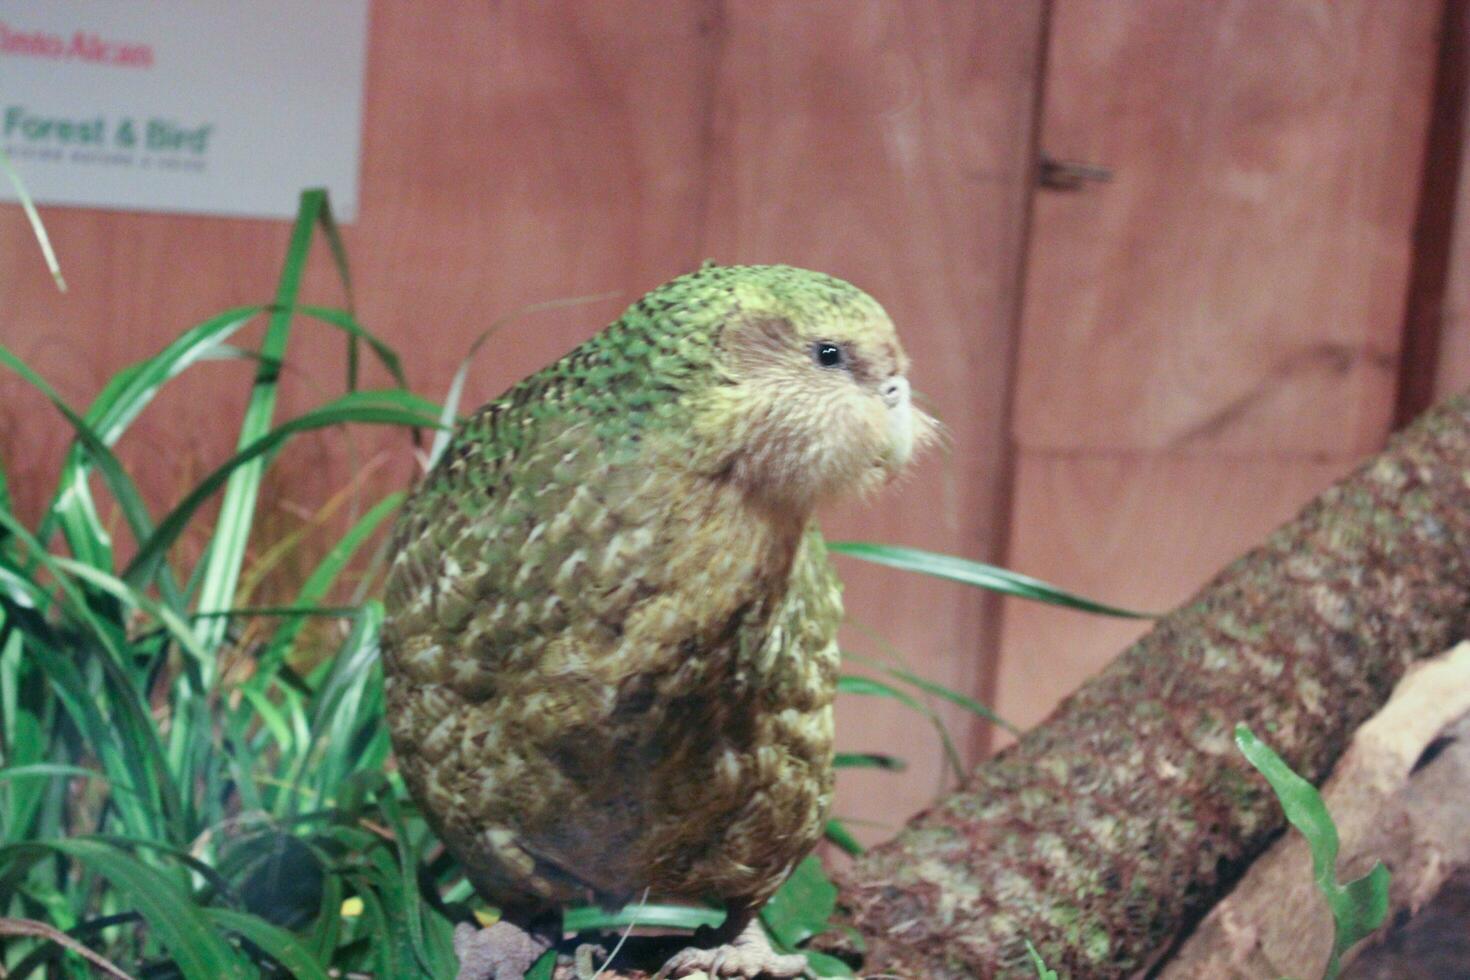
[(205, 106)]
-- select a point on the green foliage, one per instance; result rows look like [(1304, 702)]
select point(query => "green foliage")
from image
[(181, 818), (1358, 906), (153, 809), (37, 228), (801, 910), (968, 572), (543, 968), (1038, 964)]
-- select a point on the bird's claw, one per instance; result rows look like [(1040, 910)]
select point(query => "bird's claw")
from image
[(748, 955)]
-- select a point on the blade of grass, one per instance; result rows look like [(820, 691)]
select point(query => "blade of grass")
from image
[(936, 689), (130, 724), (1359, 906), (337, 714), (277, 943), (26, 745), (802, 906), (237, 510), (868, 760), (38, 228), (319, 581), (1038, 964), (976, 573), (347, 322), (73, 507), (654, 915), (838, 834), (198, 951), (544, 968), (872, 687), (333, 234), (265, 564), (50, 770), (348, 408), (120, 401)]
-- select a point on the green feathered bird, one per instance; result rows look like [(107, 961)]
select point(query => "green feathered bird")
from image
[(611, 637)]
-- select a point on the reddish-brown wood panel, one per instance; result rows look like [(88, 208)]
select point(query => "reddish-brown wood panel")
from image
[(889, 144), (520, 152), (1213, 335), (1452, 372), (1449, 318), (1240, 282)]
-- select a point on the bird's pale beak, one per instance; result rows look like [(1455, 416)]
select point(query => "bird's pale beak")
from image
[(901, 435)]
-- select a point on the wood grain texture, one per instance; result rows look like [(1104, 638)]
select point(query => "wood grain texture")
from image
[(1240, 282), (1212, 335), (1142, 530), (1452, 329), (887, 144), (1437, 221), (521, 152)]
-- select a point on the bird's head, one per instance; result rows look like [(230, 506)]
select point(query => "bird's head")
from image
[(811, 396)]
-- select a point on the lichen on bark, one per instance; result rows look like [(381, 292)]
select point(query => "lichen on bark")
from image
[(1111, 826)]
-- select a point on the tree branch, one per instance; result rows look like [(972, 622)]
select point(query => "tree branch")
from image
[(1112, 826), (1388, 805)]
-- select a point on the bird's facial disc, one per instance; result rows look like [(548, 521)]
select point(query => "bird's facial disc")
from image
[(823, 403)]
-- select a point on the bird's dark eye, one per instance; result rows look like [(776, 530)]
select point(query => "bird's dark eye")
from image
[(829, 355)]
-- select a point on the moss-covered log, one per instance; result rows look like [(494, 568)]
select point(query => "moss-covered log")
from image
[(1108, 828)]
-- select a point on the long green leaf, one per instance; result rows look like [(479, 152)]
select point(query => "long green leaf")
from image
[(337, 714), (50, 770), (976, 573), (277, 943), (318, 582), (1359, 906), (237, 511), (38, 228), (653, 915), (838, 834), (347, 322), (349, 408), (868, 760), (180, 926), (802, 906), (143, 764), (873, 688), (544, 967), (74, 507), (936, 689), (24, 743), (122, 591), (1038, 964), (338, 248), (130, 390)]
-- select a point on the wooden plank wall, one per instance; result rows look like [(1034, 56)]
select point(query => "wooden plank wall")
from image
[(1205, 342), (1212, 337), (521, 152), (1448, 313)]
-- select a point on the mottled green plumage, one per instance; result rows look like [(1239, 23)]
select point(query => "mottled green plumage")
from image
[(610, 649)]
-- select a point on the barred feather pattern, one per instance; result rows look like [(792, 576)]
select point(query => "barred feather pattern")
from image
[(608, 667)]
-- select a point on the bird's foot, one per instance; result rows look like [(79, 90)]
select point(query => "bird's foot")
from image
[(748, 955), (586, 960), (499, 952)]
